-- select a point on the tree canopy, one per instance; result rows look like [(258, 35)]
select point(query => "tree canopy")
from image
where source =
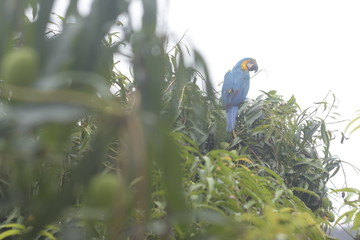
[(87, 152)]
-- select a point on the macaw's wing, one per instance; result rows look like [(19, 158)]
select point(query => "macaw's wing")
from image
[(235, 88), (241, 86), (226, 90)]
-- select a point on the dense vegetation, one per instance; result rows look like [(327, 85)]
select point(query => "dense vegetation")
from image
[(89, 153)]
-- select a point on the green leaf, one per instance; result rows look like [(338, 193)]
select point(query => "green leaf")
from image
[(342, 216), (348, 189), (275, 175), (278, 194), (356, 128), (13, 225), (310, 162), (47, 235), (356, 223), (325, 138), (211, 187), (299, 189), (291, 101), (351, 123), (9, 233), (253, 116)]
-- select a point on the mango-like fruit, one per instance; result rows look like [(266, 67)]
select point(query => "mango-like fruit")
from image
[(331, 216), (20, 66), (235, 152), (105, 190), (224, 145)]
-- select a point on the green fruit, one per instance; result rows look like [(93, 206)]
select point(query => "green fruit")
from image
[(234, 152), (326, 203), (330, 216), (224, 145), (105, 190), (20, 66)]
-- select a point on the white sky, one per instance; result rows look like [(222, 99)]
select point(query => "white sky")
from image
[(307, 48)]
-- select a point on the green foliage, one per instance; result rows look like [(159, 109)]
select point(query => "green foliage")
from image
[(103, 156), (55, 134), (351, 123), (352, 200), (230, 197), (287, 140), (14, 229)]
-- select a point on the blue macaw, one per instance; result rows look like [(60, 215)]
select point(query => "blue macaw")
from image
[(235, 88)]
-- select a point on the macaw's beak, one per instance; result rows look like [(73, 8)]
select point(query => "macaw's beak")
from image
[(254, 67)]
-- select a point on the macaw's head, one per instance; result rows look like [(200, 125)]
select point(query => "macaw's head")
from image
[(249, 64)]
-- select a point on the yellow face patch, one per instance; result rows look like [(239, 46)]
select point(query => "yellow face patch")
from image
[(244, 65)]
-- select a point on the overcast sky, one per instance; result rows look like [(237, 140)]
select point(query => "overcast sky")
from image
[(307, 48)]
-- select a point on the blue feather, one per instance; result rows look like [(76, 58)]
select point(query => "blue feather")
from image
[(231, 114), (234, 91)]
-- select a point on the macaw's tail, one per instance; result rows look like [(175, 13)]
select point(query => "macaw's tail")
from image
[(231, 118)]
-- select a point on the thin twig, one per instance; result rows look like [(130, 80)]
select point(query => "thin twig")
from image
[(259, 72), (178, 42)]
